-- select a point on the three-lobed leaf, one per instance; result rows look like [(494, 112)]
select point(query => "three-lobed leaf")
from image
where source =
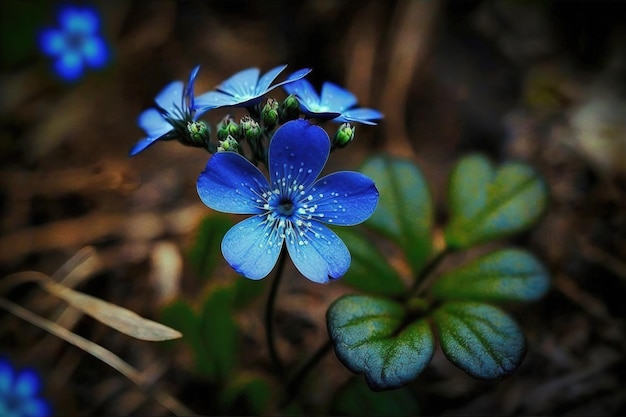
[(488, 203), (479, 338), (370, 336), (499, 276), (405, 209)]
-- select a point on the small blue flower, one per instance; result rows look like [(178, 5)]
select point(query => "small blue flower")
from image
[(292, 207), (334, 103), (172, 114), (76, 44), (19, 393), (245, 88)]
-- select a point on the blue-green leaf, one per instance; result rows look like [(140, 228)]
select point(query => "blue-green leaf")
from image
[(370, 336), (488, 203), (503, 275), (369, 270), (206, 250), (480, 339), (405, 209)]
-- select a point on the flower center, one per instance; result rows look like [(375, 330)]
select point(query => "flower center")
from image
[(285, 207)]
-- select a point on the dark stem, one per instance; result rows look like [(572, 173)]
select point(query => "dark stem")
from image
[(424, 279), (293, 386), (269, 315)]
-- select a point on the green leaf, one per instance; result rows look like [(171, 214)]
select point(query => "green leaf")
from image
[(218, 329), (181, 315), (206, 251), (405, 209), (356, 399), (247, 394), (487, 204), (503, 275), (370, 336), (480, 339), (369, 270)]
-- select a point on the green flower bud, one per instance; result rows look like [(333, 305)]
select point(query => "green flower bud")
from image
[(289, 109), (227, 127), (250, 129), (198, 134), (344, 135), (269, 114), (228, 144)]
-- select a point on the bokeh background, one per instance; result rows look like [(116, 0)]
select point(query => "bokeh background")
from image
[(539, 81)]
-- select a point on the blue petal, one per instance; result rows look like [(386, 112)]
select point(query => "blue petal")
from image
[(6, 378), (298, 152), (319, 253), (189, 87), (79, 21), (52, 42), (35, 407), (361, 115), (69, 66), (295, 76), (171, 97), (305, 93), (241, 85), (141, 145), (231, 184), (251, 248), (27, 384), (336, 98), (153, 123), (344, 198), (265, 81), (95, 52), (214, 100)]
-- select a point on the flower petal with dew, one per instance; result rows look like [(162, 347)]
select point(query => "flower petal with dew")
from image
[(245, 88), (76, 44), (334, 103), (171, 115), (19, 393), (293, 207)]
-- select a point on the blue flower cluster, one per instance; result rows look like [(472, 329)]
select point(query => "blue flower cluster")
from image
[(76, 44), (19, 393), (293, 208)]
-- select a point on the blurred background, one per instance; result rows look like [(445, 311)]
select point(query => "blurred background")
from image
[(539, 81)]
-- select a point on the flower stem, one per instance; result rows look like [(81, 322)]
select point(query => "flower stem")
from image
[(425, 277), (294, 383), (269, 315)]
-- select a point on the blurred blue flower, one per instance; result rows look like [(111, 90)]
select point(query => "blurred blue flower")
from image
[(172, 114), (292, 207), (76, 44), (245, 88), (335, 103), (19, 393)]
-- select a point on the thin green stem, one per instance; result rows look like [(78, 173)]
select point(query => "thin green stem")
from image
[(269, 315), (298, 378)]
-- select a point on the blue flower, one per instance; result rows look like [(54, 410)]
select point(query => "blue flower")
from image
[(172, 115), (19, 393), (292, 207), (245, 89), (76, 44), (334, 103)]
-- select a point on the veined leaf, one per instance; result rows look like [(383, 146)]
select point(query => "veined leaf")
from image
[(405, 210), (480, 339), (370, 337), (369, 270), (503, 275), (488, 203)]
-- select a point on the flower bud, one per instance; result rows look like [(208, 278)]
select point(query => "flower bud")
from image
[(198, 134), (269, 114), (227, 127), (289, 109), (250, 129), (344, 135), (228, 144)]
